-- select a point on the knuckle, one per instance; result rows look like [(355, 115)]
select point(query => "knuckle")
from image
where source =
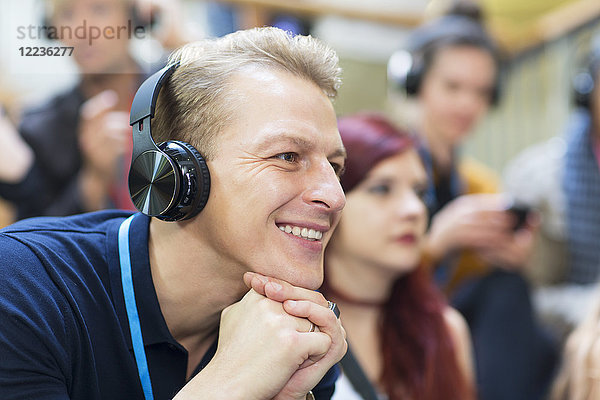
[(288, 340)]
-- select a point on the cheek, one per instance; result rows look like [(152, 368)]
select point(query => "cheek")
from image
[(438, 106)]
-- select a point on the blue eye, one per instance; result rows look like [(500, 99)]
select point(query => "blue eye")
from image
[(288, 157)]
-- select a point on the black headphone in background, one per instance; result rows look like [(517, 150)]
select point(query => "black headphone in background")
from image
[(585, 82), (169, 181), (407, 67)]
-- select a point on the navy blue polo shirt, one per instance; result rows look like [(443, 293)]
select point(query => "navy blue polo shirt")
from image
[(64, 332)]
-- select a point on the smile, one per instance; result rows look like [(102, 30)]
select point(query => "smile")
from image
[(304, 233)]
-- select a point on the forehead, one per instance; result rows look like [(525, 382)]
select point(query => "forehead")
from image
[(271, 105), (464, 61), (59, 5), (405, 165)]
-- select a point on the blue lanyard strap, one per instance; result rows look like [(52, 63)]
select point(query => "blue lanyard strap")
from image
[(131, 307)]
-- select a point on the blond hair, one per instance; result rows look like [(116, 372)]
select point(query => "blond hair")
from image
[(195, 103)]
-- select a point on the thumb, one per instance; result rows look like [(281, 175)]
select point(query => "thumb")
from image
[(99, 104)]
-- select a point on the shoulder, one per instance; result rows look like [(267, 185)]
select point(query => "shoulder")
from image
[(40, 120), (88, 222), (456, 324), (50, 241), (478, 177), (61, 102), (536, 165), (459, 331), (344, 390)]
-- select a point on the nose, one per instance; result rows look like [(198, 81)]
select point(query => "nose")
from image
[(411, 206), (324, 189)]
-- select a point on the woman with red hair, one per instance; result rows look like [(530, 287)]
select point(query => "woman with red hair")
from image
[(407, 341)]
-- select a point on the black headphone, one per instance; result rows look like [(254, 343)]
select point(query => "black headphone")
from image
[(407, 67), (585, 82), (169, 181)]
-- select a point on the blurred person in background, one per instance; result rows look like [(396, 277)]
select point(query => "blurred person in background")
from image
[(561, 178), (80, 139), (15, 161), (451, 66), (409, 344)]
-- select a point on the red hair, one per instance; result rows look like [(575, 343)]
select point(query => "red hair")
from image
[(419, 355)]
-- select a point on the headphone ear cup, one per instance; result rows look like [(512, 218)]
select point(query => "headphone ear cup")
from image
[(202, 180), (194, 176), (583, 86), (154, 182), (496, 94), (402, 72), (414, 77)]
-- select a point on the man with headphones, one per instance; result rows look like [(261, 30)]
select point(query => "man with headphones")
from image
[(209, 291), (450, 67)]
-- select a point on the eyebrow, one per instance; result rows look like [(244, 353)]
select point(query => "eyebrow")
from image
[(297, 140)]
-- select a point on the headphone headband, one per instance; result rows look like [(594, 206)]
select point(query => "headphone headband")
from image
[(144, 101)]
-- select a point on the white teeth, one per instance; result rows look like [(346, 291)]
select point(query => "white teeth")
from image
[(304, 233)]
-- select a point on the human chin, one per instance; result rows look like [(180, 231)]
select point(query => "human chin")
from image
[(300, 274), (306, 272)]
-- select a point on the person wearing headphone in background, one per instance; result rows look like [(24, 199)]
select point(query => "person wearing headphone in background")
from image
[(243, 186), (451, 67), (80, 138), (561, 178), (407, 342)]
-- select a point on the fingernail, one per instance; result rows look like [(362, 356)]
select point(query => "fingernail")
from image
[(262, 279), (291, 303), (275, 286)]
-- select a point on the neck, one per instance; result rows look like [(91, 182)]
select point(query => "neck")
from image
[(192, 285), (441, 150), (360, 290), (356, 283)]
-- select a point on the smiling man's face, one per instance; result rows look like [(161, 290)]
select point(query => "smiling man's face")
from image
[(275, 195)]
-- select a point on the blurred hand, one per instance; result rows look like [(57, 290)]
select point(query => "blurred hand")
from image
[(514, 251), (468, 222), (16, 156), (104, 135)]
